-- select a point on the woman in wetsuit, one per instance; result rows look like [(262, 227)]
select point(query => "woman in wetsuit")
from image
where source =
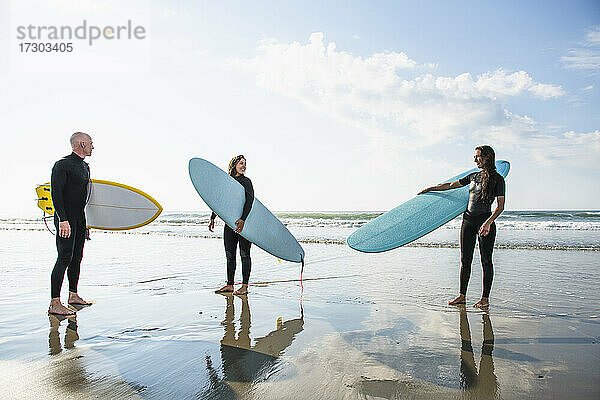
[(478, 221), (231, 237)]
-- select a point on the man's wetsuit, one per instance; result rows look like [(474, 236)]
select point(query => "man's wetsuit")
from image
[(231, 238), (478, 211), (70, 179)]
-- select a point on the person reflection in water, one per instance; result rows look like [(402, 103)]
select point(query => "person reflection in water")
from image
[(71, 335), (242, 362), (483, 383)]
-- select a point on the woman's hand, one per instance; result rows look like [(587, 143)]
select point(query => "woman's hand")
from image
[(239, 225), (485, 228), (211, 225)]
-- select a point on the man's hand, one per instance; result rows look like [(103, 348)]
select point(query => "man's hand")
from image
[(64, 229), (239, 225)]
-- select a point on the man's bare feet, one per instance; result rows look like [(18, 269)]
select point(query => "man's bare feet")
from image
[(225, 289), (242, 290), (74, 299), (483, 303), (57, 308), (461, 299)]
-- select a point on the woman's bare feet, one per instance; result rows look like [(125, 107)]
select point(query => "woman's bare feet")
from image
[(225, 289), (242, 290), (57, 308), (461, 299), (74, 299), (483, 303)]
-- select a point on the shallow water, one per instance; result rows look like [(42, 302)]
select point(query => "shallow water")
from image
[(360, 326)]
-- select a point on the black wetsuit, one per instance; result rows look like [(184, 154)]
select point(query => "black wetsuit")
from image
[(70, 179), (478, 211), (231, 238)]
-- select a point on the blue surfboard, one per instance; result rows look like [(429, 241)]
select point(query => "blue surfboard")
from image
[(226, 197), (415, 218)]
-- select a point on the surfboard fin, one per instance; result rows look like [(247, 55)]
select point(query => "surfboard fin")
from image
[(301, 271)]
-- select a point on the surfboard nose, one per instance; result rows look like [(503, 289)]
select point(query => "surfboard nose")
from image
[(503, 167)]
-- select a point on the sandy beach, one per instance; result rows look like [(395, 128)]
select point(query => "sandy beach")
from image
[(360, 326)]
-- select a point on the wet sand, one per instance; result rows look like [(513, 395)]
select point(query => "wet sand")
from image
[(362, 326)]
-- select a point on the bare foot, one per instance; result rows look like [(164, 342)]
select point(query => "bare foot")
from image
[(242, 290), (225, 289), (483, 303), (461, 299), (74, 299), (57, 308)]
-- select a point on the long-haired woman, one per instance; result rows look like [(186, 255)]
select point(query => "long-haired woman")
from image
[(231, 237), (478, 221)]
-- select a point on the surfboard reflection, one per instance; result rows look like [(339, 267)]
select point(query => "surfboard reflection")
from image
[(242, 362), (483, 381)]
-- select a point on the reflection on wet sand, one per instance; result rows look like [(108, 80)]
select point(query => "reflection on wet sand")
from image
[(243, 362), (67, 372), (473, 382), (482, 383), (71, 335)]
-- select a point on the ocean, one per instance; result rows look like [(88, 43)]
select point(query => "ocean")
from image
[(558, 230)]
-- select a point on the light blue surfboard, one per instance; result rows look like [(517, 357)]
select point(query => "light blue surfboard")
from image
[(226, 197), (415, 218)]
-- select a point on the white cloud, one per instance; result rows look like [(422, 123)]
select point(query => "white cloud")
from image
[(499, 83), (593, 37), (587, 55), (570, 148), (319, 70), (381, 95), (524, 136)]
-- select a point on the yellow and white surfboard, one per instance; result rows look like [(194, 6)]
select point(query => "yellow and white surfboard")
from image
[(111, 206)]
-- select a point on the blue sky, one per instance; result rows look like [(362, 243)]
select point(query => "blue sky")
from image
[(337, 105)]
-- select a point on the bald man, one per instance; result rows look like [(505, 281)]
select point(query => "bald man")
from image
[(70, 178)]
